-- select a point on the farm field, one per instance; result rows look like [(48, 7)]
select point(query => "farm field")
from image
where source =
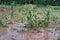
[(28, 22)]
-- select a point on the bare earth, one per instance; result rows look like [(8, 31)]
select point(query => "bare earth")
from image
[(14, 35)]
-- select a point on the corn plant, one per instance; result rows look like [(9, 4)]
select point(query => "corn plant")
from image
[(33, 20), (47, 17), (1, 24), (3, 20)]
